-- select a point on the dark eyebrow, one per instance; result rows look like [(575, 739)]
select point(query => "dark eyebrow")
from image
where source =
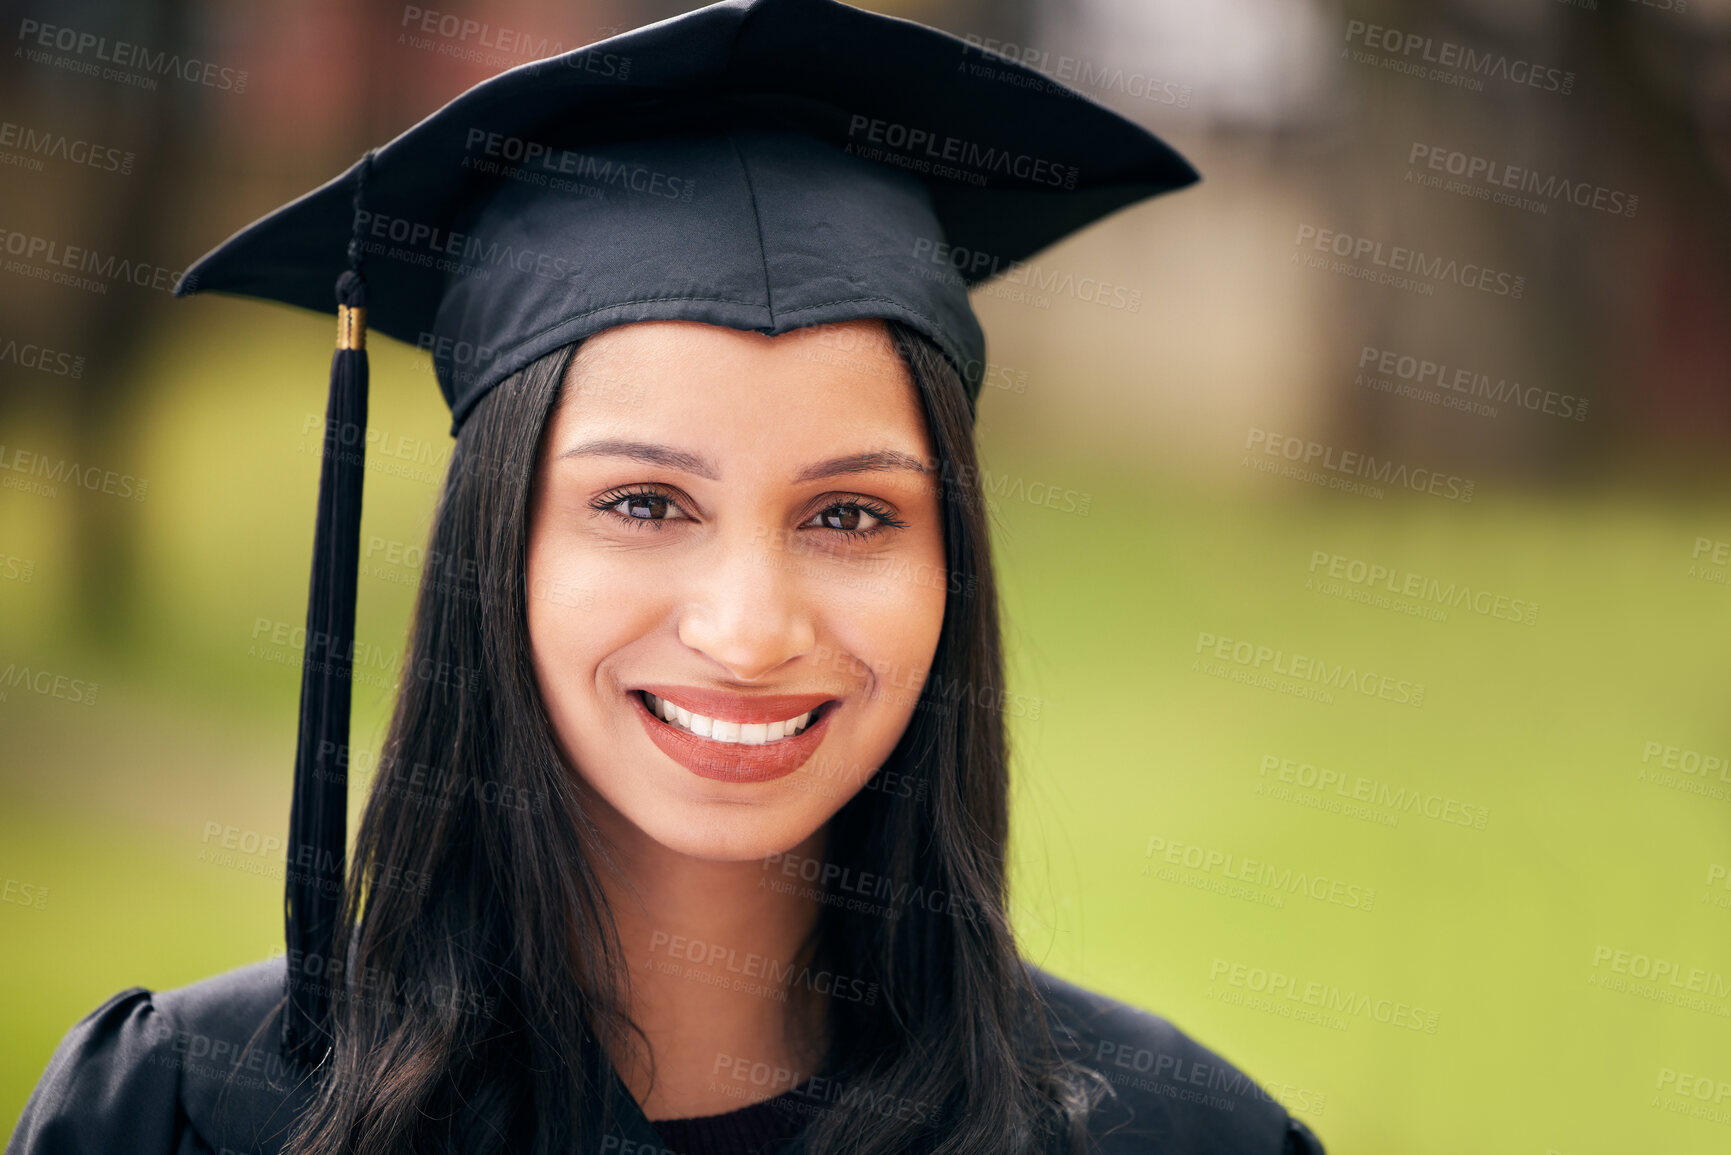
[(665, 455), (877, 459), (649, 452)]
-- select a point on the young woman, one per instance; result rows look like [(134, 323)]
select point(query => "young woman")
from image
[(689, 831)]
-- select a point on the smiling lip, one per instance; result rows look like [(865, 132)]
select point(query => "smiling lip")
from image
[(738, 707), (732, 761)]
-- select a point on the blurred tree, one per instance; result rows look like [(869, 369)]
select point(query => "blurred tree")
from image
[(111, 215)]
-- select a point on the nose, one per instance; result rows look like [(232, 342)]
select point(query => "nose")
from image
[(747, 612)]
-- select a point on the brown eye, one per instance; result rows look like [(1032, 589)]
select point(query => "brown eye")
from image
[(843, 517), (646, 506), (642, 506), (855, 518)]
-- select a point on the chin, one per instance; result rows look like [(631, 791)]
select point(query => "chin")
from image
[(728, 829), (654, 782), (718, 802)]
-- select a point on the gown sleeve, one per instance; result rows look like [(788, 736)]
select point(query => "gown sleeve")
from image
[(110, 1089), (1300, 1140)]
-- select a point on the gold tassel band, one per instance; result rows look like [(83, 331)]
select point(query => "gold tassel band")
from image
[(351, 326)]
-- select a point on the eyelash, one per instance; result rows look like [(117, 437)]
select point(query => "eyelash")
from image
[(608, 504)]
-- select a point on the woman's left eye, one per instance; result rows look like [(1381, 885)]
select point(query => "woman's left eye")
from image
[(642, 508), (853, 518)]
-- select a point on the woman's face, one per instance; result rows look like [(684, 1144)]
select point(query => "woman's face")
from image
[(742, 531)]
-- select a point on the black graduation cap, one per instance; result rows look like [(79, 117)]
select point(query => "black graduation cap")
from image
[(759, 164)]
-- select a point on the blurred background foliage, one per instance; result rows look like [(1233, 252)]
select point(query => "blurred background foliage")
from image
[(168, 603)]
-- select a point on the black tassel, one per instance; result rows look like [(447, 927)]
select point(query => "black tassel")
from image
[(318, 822)]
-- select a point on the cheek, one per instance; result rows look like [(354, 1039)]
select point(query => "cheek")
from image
[(577, 616), (884, 631)]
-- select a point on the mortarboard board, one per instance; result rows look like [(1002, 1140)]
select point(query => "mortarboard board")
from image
[(759, 164)]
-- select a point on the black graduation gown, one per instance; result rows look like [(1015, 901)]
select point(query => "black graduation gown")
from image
[(156, 1074)]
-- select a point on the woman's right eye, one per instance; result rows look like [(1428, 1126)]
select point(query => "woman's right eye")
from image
[(640, 506), (645, 506)]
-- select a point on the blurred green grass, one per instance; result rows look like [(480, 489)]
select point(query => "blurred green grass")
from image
[(1494, 929)]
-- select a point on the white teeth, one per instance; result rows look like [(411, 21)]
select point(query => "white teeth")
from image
[(741, 733)]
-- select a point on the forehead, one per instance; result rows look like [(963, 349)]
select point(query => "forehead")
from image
[(716, 389)]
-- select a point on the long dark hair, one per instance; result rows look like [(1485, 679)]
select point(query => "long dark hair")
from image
[(482, 964)]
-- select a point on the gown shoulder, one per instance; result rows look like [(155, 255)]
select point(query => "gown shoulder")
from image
[(199, 1071), (1168, 1093), (182, 1072)]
